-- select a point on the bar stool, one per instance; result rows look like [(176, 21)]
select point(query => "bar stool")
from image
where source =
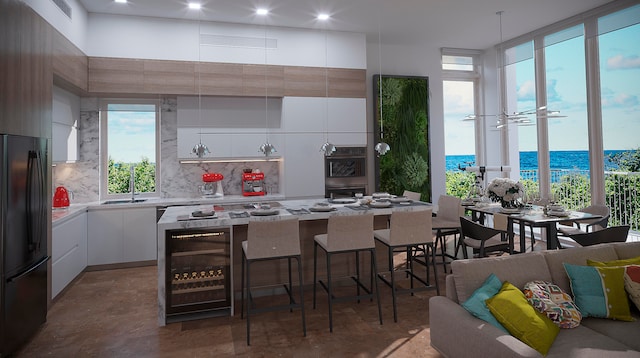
[(272, 240), (347, 234), (447, 222), (409, 229)]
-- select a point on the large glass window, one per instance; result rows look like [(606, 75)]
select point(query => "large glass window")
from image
[(129, 148), (619, 51), (460, 91)]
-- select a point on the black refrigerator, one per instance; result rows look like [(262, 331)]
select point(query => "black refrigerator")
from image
[(23, 244)]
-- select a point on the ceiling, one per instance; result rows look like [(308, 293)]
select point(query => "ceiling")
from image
[(471, 24)]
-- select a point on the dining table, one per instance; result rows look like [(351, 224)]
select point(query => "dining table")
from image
[(529, 215)]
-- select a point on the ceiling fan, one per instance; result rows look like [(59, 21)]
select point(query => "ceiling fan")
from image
[(519, 118)]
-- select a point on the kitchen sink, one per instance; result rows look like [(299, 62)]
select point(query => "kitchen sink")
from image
[(123, 201)]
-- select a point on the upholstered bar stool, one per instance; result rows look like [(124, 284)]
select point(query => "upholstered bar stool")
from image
[(408, 229), (347, 234), (272, 240), (445, 223)]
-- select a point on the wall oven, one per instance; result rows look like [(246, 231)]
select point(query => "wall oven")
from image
[(346, 172)]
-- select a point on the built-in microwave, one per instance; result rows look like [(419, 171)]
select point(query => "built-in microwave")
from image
[(346, 171)]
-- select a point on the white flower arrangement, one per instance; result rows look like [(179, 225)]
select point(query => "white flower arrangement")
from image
[(505, 190)]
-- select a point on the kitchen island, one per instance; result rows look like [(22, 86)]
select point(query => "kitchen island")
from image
[(233, 219)]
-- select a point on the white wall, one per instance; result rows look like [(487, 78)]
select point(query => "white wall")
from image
[(167, 39), (405, 60), (74, 29)]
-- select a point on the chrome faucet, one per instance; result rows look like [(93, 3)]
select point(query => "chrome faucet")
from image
[(132, 182)]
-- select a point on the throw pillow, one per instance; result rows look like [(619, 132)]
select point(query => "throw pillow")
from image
[(632, 283), (623, 262), (512, 310), (549, 299), (599, 291), (476, 305)]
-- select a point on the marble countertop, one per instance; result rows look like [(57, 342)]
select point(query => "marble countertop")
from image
[(180, 217), (60, 215)]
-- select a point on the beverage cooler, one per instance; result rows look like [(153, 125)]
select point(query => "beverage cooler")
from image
[(198, 272)]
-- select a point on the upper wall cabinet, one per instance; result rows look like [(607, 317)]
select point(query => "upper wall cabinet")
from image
[(66, 115), (125, 75)]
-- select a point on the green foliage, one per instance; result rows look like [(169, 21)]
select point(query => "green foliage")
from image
[(628, 161), (405, 122), (459, 183), (120, 175)]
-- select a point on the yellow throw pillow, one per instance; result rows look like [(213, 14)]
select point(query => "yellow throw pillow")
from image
[(511, 309), (599, 291), (623, 262)]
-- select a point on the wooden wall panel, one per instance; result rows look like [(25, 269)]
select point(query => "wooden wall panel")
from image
[(253, 80), (219, 79), (69, 63), (116, 75), (35, 74), (10, 99), (305, 81), (169, 77), (349, 83)]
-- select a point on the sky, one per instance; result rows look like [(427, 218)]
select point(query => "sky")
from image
[(131, 135), (566, 92)]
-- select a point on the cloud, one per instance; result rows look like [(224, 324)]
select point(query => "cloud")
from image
[(552, 93), (620, 100), (621, 62), (527, 92)]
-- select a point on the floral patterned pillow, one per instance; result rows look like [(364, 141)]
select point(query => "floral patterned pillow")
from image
[(549, 299)]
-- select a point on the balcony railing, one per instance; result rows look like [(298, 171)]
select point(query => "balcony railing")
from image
[(573, 189)]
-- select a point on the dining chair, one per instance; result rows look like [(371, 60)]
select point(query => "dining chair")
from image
[(501, 222), (569, 228), (606, 235), (272, 240), (408, 230), (483, 239), (412, 195), (347, 234)]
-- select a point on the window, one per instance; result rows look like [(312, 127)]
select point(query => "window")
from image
[(460, 73), (129, 139)]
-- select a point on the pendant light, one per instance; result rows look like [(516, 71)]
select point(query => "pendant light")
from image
[(381, 147), (266, 148), (327, 147), (200, 149), (519, 118)]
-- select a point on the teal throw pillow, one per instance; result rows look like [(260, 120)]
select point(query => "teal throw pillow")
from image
[(476, 303)]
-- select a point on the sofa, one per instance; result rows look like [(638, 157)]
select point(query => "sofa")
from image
[(457, 333)]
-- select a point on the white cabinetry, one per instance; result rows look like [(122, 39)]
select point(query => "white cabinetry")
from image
[(122, 235), (65, 115), (68, 252)]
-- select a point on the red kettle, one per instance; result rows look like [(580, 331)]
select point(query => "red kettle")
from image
[(61, 197)]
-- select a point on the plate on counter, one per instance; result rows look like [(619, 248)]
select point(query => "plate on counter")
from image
[(343, 200), (264, 212), (322, 208), (510, 210), (380, 204), (381, 195), (400, 200)]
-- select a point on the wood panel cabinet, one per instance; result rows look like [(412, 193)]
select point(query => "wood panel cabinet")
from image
[(122, 75), (121, 235), (69, 64), (116, 75), (68, 252)]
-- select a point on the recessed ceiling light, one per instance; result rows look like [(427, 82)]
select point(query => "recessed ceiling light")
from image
[(194, 5), (262, 11), (323, 17), (122, 1)]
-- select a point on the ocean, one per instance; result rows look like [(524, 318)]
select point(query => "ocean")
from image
[(565, 159)]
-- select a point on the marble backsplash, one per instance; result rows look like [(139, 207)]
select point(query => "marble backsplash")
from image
[(176, 180)]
